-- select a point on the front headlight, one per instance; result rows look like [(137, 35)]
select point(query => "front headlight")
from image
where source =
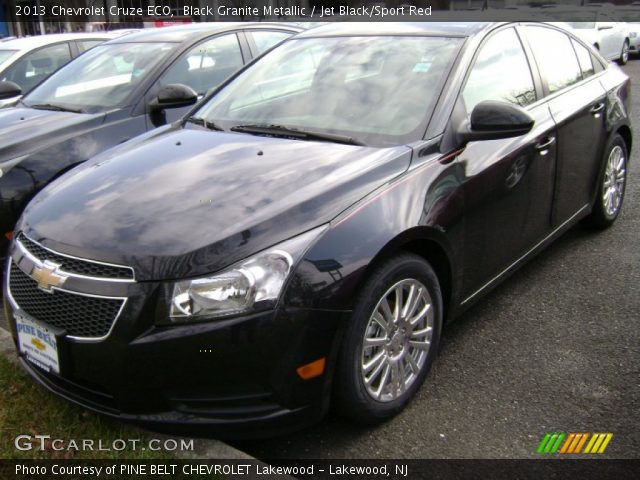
[(251, 285)]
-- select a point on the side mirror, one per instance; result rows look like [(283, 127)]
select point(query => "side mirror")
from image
[(491, 120), (174, 96), (9, 90)]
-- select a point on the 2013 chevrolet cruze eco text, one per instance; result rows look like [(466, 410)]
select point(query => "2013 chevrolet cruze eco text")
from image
[(303, 234)]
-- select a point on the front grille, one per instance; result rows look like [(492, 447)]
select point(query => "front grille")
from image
[(78, 315), (76, 265)]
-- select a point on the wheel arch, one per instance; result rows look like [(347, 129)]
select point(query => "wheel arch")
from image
[(429, 244), (625, 132)]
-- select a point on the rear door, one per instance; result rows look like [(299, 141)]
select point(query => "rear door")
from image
[(604, 33), (611, 36), (577, 102)]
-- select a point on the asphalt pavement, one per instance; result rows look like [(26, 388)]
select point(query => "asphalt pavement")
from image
[(556, 348)]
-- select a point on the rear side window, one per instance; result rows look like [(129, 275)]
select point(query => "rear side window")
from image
[(264, 40), (84, 45), (584, 59), (597, 64), (207, 64), (500, 72), (555, 57)]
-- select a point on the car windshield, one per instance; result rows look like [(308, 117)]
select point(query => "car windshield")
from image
[(100, 79), (6, 55), (374, 90)]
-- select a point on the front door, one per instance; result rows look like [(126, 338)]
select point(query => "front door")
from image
[(509, 183)]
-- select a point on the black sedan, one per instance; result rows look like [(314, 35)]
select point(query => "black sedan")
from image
[(303, 235), (112, 93)]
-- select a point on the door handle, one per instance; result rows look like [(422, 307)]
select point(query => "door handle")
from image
[(543, 146), (596, 109)]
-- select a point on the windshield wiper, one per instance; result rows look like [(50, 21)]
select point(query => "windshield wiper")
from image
[(284, 131), (55, 108), (205, 123)]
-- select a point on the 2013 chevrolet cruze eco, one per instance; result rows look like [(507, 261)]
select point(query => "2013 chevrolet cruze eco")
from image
[(305, 233)]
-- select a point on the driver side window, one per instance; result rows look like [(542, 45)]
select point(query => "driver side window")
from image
[(206, 65), (501, 72)]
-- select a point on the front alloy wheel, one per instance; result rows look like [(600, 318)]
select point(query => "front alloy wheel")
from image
[(391, 341), (396, 340)]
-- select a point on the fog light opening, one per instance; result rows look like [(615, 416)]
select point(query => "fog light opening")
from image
[(312, 370)]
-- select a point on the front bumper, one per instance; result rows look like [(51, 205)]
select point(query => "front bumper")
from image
[(245, 424), (231, 378)]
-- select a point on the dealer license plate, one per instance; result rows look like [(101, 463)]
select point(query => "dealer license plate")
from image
[(37, 343)]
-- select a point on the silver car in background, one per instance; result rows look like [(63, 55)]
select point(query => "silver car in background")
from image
[(599, 27), (28, 61)]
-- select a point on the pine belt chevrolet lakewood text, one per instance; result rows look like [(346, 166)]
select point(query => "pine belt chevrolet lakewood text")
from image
[(302, 235)]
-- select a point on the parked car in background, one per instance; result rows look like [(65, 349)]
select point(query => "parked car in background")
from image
[(599, 27), (28, 61), (313, 223), (631, 15), (112, 93)]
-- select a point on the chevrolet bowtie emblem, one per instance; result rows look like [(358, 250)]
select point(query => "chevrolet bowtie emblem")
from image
[(36, 342), (48, 276)]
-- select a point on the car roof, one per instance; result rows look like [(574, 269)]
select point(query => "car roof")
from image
[(457, 29), (29, 43), (182, 33)]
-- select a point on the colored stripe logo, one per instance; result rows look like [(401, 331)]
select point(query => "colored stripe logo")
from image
[(572, 443)]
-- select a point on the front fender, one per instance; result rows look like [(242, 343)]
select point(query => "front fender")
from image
[(423, 205)]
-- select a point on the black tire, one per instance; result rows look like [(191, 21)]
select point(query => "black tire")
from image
[(353, 399), (624, 54), (601, 217)]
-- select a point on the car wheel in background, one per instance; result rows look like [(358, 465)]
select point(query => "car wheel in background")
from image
[(611, 189), (624, 53), (391, 341)]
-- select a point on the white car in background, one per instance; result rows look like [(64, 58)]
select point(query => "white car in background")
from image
[(631, 15), (598, 27), (28, 61)]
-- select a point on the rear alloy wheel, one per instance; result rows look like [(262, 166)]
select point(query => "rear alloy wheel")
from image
[(612, 185), (391, 341), (624, 53)]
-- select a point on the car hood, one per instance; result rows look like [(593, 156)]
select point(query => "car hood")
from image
[(25, 130), (189, 201)]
